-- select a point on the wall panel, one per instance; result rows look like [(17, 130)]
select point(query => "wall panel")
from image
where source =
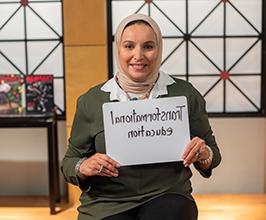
[(85, 67), (85, 56), (84, 22)]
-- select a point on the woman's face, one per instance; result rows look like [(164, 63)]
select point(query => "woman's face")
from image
[(138, 51)]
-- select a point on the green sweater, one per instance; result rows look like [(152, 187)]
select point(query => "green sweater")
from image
[(136, 184)]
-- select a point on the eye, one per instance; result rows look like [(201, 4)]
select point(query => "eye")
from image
[(148, 46), (128, 46)]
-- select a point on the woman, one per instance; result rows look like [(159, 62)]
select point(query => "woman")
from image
[(154, 191)]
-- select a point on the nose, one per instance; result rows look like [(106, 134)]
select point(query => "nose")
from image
[(138, 53)]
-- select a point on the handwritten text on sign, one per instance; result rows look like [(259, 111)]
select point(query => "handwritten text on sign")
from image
[(146, 131)]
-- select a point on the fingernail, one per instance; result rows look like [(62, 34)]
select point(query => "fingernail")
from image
[(117, 165)]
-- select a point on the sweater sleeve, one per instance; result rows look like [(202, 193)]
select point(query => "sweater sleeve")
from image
[(200, 126), (80, 145)]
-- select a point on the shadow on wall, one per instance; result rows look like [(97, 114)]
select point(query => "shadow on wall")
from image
[(25, 178)]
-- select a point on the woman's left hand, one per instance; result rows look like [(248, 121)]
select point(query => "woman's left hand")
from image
[(196, 150)]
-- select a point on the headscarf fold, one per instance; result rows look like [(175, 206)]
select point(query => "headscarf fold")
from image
[(127, 84)]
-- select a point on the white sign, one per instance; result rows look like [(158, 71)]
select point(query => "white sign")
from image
[(146, 131)]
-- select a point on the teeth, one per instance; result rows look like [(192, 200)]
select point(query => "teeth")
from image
[(138, 66)]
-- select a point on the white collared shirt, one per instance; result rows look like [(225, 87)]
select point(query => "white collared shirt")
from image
[(160, 88)]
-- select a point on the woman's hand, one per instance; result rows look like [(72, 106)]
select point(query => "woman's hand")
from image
[(196, 150), (99, 165)]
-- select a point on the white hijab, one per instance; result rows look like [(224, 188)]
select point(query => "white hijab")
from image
[(123, 80)]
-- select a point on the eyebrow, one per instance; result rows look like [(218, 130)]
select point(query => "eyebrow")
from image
[(146, 42)]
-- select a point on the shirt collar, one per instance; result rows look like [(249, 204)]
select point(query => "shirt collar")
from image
[(160, 88)]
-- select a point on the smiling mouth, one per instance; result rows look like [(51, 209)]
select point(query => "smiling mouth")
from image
[(138, 66)]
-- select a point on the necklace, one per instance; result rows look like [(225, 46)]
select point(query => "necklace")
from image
[(144, 96)]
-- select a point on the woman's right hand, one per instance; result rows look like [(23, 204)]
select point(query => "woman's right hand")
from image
[(99, 165)]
